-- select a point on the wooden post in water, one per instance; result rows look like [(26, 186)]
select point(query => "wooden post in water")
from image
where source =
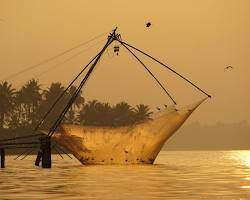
[(38, 158), (2, 157), (46, 152)]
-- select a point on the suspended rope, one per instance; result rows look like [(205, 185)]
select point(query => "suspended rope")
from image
[(20, 147), (58, 121), (51, 58), (159, 83), (67, 60), (21, 137), (60, 118), (58, 153), (31, 151), (27, 152), (124, 43), (58, 147), (63, 93), (19, 143)]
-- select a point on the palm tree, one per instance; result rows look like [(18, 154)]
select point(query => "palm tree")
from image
[(96, 113), (123, 114), (49, 97), (76, 106), (29, 97), (53, 92), (79, 101), (104, 114), (6, 101), (142, 112), (88, 114)]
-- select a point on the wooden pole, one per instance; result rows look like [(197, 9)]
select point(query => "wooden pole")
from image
[(46, 152), (38, 158), (2, 158)]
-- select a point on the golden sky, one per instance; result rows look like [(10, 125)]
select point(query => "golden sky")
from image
[(197, 38)]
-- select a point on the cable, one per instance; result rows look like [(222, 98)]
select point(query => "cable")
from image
[(166, 67), (65, 61), (24, 152), (58, 99), (58, 152), (159, 83), (58, 121), (21, 147), (21, 137), (50, 59), (31, 150), (20, 143), (63, 151)]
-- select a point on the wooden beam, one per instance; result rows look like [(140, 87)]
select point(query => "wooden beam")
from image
[(2, 157), (46, 152)]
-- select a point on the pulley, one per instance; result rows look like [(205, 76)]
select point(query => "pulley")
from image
[(116, 50)]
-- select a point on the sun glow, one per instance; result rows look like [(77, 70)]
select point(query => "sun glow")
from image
[(245, 156)]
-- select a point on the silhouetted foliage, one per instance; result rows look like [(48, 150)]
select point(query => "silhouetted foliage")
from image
[(6, 101), (24, 108)]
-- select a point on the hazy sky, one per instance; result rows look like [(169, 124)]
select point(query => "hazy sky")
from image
[(197, 38)]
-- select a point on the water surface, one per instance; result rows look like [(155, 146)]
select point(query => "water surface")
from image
[(176, 175)]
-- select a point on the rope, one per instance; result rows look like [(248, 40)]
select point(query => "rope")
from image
[(58, 99), (58, 121), (28, 151), (20, 143), (21, 137), (58, 152), (63, 151), (166, 67), (50, 59), (65, 61), (159, 83), (24, 147), (31, 150)]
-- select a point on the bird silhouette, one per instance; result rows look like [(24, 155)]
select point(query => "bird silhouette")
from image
[(158, 108), (148, 24), (165, 105), (228, 67)]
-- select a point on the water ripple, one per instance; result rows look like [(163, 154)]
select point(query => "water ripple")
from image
[(176, 175)]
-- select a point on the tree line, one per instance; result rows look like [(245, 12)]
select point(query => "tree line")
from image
[(25, 107)]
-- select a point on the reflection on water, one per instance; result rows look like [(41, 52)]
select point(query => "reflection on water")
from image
[(176, 175)]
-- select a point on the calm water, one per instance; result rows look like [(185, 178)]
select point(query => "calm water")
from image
[(176, 175)]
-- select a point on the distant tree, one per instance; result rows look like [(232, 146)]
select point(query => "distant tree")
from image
[(14, 121), (123, 114), (76, 106), (142, 112), (104, 114), (29, 98), (88, 114), (49, 96), (6, 101), (26, 107), (53, 92)]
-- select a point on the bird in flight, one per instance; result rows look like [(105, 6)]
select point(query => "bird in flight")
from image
[(228, 67), (148, 24)]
